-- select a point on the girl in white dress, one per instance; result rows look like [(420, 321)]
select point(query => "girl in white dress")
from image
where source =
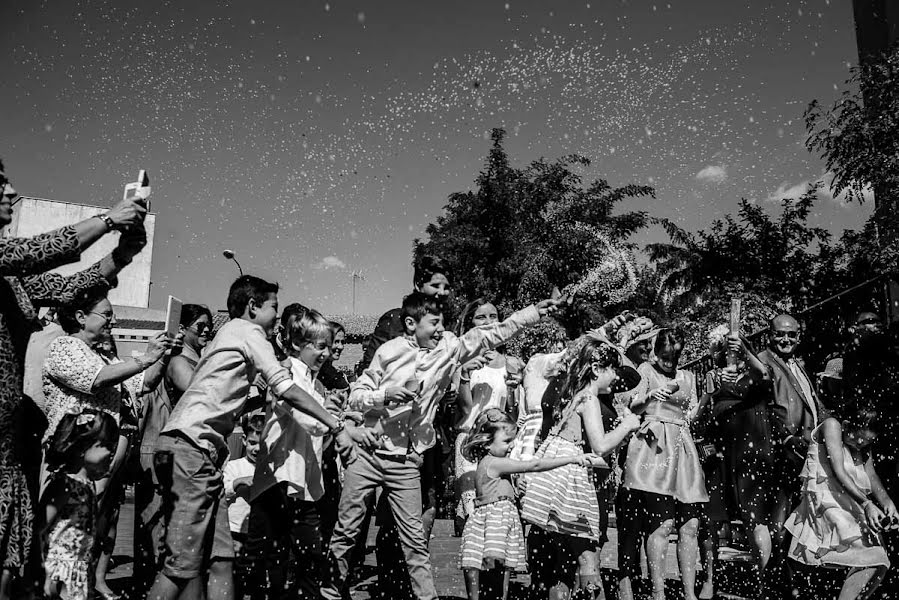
[(838, 523)]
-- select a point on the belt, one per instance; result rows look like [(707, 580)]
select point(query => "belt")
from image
[(479, 503), (669, 420)]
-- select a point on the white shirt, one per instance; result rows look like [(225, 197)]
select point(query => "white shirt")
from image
[(290, 449), (806, 387), (238, 507)]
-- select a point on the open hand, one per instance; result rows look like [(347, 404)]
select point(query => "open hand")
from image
[(660, 395)]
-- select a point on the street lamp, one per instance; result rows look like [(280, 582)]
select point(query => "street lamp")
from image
[(229, 254), (356, 275)]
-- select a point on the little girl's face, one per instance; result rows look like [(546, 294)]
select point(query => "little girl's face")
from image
[(859, 439), (605, 376), (97, 460), (502, 442), (485, 314)]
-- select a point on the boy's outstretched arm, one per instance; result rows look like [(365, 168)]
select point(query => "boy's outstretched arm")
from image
[(490, 336)]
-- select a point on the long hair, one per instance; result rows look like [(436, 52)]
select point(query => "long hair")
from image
[(580, 370), (477, 446), (77, 431)]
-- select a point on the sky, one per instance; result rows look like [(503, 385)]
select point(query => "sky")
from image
[(316, 139)]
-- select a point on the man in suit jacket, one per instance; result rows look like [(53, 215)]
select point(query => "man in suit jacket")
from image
[(793, 413)]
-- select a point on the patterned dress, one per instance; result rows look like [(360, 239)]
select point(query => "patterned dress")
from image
[(70, 542), (69, 373), (24, 284)]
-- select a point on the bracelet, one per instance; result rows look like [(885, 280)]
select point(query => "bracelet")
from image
[(866, 503), (464, 379), (109, 224)]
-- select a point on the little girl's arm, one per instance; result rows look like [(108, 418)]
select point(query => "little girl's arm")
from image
[(53, 497), (600, 442), (507, 466), (879, 492)]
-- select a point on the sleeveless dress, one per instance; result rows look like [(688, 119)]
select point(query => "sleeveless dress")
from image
[(493, 536), (71, 541), (662, 457), (829, 527), (488, 390), (564, 500)]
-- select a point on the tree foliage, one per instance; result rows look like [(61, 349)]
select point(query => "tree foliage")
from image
[(858, 136), (523, 231)]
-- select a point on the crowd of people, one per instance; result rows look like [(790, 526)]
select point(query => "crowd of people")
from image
[(258, 465)]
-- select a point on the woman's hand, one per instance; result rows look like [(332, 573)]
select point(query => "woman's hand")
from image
[(398, 395), (660, 395), (159, 345), (874, 516), (126, 213), (630, 422), (585, 460)]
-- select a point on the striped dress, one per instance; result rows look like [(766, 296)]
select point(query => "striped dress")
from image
[(493, 536), (564, 500)]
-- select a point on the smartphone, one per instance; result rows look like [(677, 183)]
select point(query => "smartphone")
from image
[(139, 190)]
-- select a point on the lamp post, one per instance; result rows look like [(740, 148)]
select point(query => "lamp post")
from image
[(356, 275), (229, 254)]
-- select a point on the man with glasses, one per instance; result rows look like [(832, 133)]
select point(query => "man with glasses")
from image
[(793, 413)]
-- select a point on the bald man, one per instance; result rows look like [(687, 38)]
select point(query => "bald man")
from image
[(793, 413)]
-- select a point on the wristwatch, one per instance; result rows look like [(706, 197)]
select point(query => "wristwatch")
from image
[(105, 218)]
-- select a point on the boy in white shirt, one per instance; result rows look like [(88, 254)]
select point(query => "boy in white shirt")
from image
[(398, 394), (237, 477)]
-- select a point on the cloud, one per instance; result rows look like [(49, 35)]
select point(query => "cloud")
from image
[(787, 191), (329, 262), (712, 174)]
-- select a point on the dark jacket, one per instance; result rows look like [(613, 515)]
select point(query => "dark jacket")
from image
[(389, 326), (788, 411)]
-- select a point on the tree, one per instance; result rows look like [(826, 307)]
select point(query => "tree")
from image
[(775, 264), (523, 231), (858, 137)]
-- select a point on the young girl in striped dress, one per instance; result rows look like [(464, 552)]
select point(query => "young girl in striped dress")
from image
[(493, 542)]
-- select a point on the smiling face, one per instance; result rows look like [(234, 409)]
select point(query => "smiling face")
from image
[(6, 200), (486, 314), (196, 335), (502, 442), (668, 357), (639, 352), (97, 323), (266, 314), (784, 335), (251, 445), (428, 331), (337, 346), (316, 353)]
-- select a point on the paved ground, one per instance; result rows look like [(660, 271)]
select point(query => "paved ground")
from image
[(734, 576)]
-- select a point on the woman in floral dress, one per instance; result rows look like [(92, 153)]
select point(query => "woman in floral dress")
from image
[(25, 284)]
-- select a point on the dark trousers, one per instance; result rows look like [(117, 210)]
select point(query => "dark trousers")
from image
[(629, 515), (281, 524)]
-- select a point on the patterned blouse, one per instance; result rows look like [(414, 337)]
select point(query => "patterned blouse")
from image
[(69, 374)]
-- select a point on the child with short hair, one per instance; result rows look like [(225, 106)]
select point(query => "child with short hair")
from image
[(79, 454), (288, 479), (399, 394), (492, 541), (838, 523), (198, 537), (238, 479)]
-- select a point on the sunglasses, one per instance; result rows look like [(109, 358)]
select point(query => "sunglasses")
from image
[(201, 328), (107, 316), (792, 335)]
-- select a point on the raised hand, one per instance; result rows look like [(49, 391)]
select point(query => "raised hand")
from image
[(159, 345), (126, 213)]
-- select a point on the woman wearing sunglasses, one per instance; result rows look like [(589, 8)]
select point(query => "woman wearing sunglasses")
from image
[(196, 327)]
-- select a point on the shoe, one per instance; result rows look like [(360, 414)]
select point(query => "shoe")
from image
[(107, 595)]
